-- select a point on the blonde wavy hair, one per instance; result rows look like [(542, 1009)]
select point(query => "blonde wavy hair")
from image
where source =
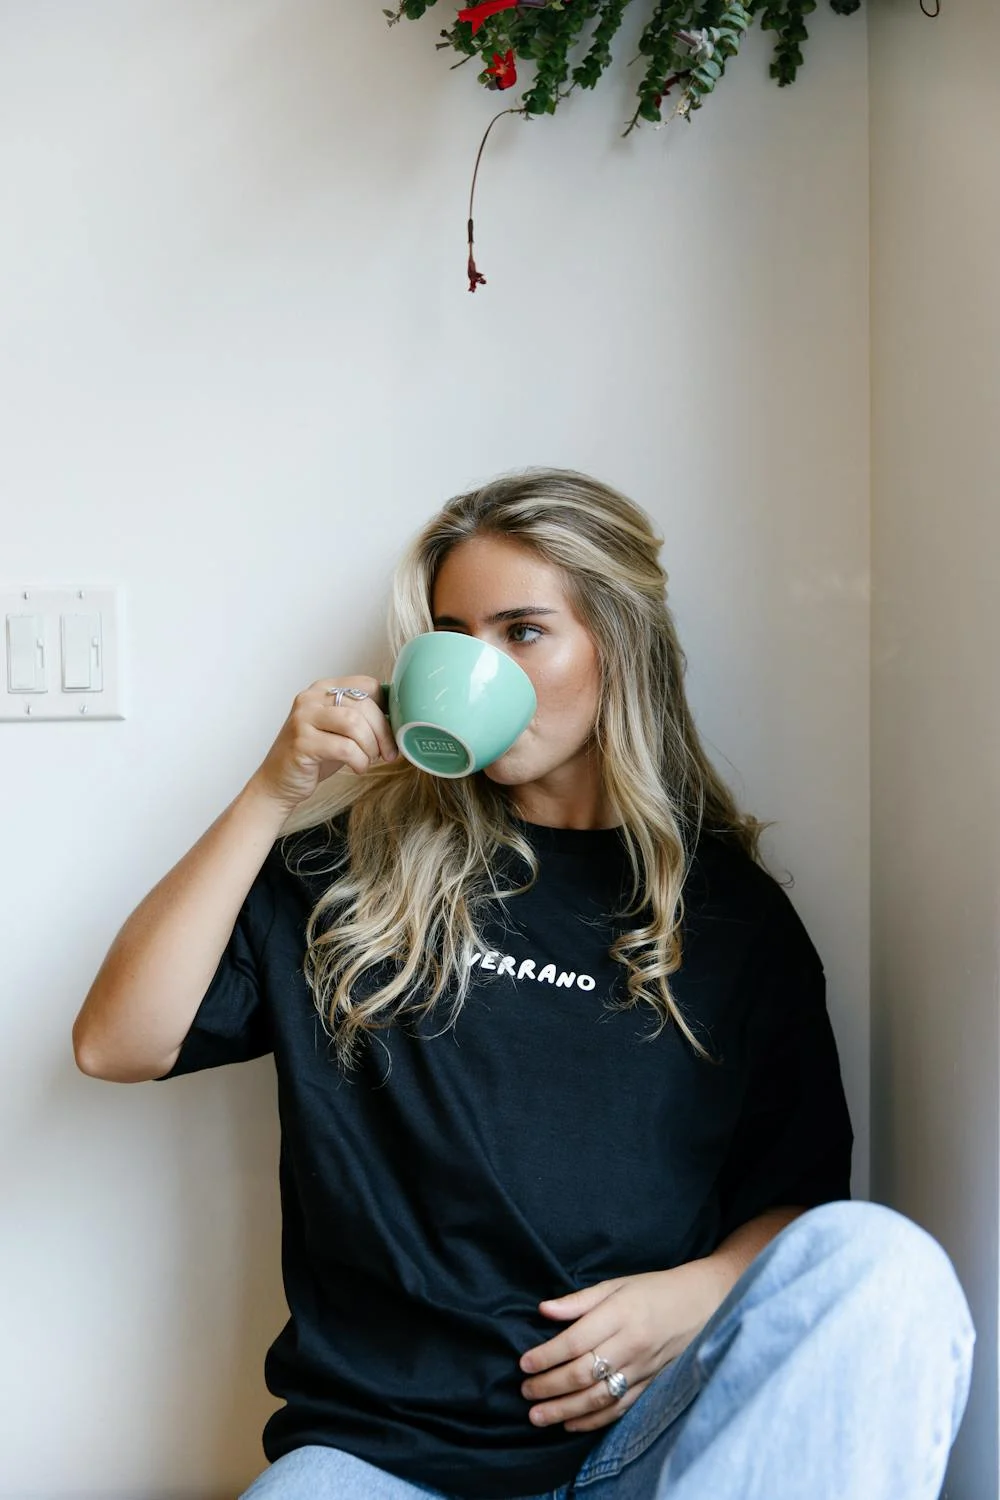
[(417, 860)]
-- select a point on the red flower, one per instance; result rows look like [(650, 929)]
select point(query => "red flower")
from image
[(504, 69), (665, 90), (477, 14)]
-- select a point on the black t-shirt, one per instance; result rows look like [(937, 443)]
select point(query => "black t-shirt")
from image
[(435, 1195)]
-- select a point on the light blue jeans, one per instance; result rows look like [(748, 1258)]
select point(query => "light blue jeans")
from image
[(837, 1368)]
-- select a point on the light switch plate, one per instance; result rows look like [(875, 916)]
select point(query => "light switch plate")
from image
[(77, 635)]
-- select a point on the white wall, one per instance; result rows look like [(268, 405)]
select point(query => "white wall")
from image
[(239, 365), (935, 127)]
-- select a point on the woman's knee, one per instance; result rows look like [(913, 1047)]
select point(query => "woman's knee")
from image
[(877, 1242)]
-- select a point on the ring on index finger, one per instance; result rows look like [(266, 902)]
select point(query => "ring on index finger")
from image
[(339, 694)]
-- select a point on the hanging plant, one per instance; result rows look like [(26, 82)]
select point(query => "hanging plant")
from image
[(684, 45)]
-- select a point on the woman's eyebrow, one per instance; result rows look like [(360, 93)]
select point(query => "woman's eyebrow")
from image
[(442, 621)]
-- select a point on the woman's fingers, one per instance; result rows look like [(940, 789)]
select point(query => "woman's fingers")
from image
[(331, 751), (576, 1304), (318, 738), (351, 724), (359, 720), (578, 1339), (591, 1421), (578, 1374), (593, 1405)]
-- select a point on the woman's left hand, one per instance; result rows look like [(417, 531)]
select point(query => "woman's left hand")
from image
[(637, 1323)]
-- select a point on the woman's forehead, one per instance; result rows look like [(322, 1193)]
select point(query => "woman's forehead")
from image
[(491, 575)]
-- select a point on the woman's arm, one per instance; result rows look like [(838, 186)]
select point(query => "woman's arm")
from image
[(148, 990), (730, 1259)]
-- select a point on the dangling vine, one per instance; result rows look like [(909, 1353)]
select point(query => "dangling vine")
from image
[(684, 47)]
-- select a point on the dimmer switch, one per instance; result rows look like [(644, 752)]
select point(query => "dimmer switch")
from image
[(25, 654), (82, 667)]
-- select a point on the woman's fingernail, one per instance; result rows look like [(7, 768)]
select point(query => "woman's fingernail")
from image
[(538, 1417)]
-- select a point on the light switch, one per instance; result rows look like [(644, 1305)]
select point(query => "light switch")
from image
[(25, 654), (82, 667), (60, 653)]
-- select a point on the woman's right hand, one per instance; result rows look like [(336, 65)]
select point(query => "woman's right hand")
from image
[(317, 739)]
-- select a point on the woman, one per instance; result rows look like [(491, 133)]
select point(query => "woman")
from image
[(564, 1144)]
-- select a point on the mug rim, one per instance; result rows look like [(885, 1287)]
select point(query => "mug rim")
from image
[(458, 635)]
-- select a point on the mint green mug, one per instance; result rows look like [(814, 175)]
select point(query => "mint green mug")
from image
[(456, 703)]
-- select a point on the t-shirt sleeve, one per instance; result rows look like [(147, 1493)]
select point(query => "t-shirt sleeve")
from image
[(232, 1023), (792, 1145)]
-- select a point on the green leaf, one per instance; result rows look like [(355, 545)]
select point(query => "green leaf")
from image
[(567, 54)]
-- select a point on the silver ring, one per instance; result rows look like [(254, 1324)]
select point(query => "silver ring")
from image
[(616, 1383), (339, 694), (601, 1369)]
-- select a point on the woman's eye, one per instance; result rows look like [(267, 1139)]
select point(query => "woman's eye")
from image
[(517, 634)]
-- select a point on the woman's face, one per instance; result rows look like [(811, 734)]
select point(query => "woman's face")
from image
[(503, 593)]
